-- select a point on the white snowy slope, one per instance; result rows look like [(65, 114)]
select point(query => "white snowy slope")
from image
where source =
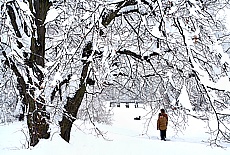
[(124, 137)]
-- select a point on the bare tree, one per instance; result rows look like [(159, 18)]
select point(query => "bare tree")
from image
[(174, 43)]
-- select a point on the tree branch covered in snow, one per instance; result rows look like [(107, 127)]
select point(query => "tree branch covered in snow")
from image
[(169, 54)]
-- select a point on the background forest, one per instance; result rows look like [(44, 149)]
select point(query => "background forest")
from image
[(61, 60)]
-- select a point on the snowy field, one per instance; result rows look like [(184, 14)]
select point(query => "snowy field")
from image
[(124, 137)]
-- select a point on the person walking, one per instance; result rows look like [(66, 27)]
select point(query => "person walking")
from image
[(162, 126)]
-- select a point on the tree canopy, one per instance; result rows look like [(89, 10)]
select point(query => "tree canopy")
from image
[(67, 57)]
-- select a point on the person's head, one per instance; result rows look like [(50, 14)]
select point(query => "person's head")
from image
[(162, 111), (160, 114)]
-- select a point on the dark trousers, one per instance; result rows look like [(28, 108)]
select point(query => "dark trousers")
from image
[(163, 134)]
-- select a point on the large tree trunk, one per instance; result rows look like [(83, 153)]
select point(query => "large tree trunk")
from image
[(38, 116), (71, 108), (41, 8), (35, 107), (73, 104)]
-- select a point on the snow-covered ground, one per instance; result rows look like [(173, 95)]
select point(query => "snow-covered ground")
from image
[(124, 137)]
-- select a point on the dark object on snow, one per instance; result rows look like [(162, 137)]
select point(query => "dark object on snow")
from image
[(137, 118), (21, 117)]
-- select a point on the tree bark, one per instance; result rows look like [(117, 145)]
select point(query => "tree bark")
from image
[(41, 8), (71, 108), (37, 116), (73, 104)]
